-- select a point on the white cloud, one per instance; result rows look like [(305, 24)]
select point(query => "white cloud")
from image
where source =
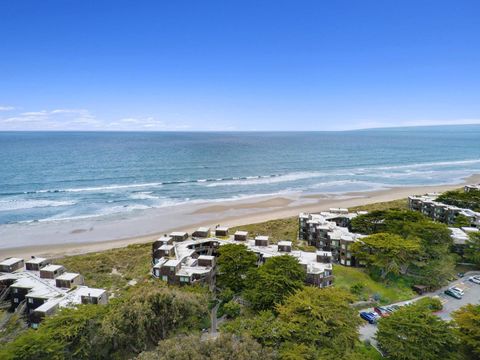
[(82, 119), (6, 108)]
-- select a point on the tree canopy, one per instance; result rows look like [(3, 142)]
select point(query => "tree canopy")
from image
[(413, 333), (469, 199), (234, 262), (146, 314), (270, 283), (472, 248), (389, 253), (467, 321), (224, 347)]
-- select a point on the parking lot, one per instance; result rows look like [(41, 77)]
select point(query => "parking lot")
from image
[(450, 304)]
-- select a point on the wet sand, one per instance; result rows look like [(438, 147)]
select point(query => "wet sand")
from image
[(54, 239)]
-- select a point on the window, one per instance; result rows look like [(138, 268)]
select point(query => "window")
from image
[(184, 279), (15, 290), (15, 300), (348, 262), (30, 300), (164, 277)]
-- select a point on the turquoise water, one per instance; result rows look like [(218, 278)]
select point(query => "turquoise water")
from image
[(58, 176)]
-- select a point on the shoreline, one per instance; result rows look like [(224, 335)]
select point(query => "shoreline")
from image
[(62, 239)]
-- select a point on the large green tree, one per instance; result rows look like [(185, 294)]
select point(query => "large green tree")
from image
[(312, 324), (472, 248), (224, 347), (234, 262), (270, 283), (388, 253), (414, 333), (322, 318), (467, 321)]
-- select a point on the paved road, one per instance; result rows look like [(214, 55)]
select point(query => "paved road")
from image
[(450, 304)]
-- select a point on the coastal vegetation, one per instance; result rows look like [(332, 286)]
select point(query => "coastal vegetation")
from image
[(413, 333), (421, 247), (463, 199), (144, 315), (278, 229)]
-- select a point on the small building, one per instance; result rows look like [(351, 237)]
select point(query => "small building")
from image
[(206, 260), (164, 240), (36, 263), (11, 264), (46, 309), (168, 270), (202, 232), (324, 257), (165, 251), (51, 271), (261, 240), (68, 280), (93, 296), (285, 246), (179, 236), (240, 235), (221, 231)]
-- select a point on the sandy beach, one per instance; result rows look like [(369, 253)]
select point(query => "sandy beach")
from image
[(55, 239)]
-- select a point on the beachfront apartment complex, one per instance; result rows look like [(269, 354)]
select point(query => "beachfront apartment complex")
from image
[(38, 288), (437, 211), (328, 231), (194, 260)]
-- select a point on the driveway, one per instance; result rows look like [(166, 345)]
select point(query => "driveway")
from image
[(450, 304)]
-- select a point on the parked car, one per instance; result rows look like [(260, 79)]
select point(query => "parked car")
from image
[(461, 274), (474, 279), (458, 290), (382, 311), (453, 293), (369, 316)]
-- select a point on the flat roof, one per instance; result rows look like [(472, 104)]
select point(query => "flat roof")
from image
[(206, 257), (10, 261), (35, 260), (261, 237), (164, 238), (241, 233), (178, 233), (222, 228), (68, 276), (284, 243), (172, 263), (52, 267), (203, 229), (166, 247), (93, 292)]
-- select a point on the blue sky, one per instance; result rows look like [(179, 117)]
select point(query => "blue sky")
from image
[(238, 65)]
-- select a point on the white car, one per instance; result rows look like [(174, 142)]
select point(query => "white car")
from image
[(474, 279), (458, 290)]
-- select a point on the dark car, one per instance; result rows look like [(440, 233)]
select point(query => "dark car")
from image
[(369, 316), (382, 311), (453, 294)]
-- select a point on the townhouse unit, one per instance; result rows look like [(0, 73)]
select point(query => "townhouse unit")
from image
[(437, 211), (468, 188), (40, 288), (328, 231)]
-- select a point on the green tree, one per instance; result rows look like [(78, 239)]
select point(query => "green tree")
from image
[(224, 347), (154, 312), (270, 283), (461, 220), (388, 253), (70, 334), (234, 262), (472, 248), (322, 318), (467, 321), (232, 309), (413, 333)]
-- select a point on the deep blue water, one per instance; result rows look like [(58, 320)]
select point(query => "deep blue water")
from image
[(49, 176)]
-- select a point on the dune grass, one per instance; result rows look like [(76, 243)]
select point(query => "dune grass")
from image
[(279, 229), (394, 204), (111, 269), (393, 290)]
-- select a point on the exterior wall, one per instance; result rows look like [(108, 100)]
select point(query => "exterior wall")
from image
[(17, 296), (261, 242), (221, 232), (284, 248), (11, 268), (240, 238), (179, 238), (69, 283), (201, 234), (36, 267), (51, 274), (102, 299)]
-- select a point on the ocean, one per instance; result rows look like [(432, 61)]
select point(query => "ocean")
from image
[(60, 176)]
